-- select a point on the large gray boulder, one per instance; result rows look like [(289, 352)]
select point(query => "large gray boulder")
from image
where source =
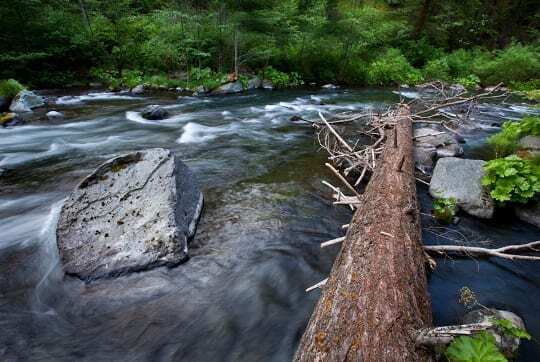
[(134, 212), (25, 101), (155, 112), (431, 144), (529, 213), (229, 88), (462, 180)]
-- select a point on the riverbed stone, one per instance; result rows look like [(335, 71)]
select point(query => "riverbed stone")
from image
[(138, 89), (254, 83), (267, 84), (25, 101), (531, 145), (55, 116), (529, 213), (11, 119), (155, 112), (431, 144), (229, 88), (134, 212), (507, 344), (462, 180)]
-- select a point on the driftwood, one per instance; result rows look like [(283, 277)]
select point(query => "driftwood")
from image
[(502, 252), (375, 299)]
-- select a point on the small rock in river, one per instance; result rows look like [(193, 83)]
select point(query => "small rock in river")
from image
[(154, 112)]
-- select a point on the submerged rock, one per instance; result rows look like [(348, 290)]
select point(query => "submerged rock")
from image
[(25, 101), (134, 212), (229, 88), (507, 344), (529, 213), (55, 116), (254, 83), (462, 180), (155, 112)]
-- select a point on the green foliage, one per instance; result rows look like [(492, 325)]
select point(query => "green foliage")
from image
[(470, 82), (392, 68), (510, 329), (506, 141), (56, 42), (10, 88), (281, 79), (444, 209), (512, 179), (206, 77), (479, 348), (517, 63)]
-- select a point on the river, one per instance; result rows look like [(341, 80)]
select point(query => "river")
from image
[(241, 295)]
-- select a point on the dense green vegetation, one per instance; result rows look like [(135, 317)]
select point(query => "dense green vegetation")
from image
[(506, 141), (187, 43), (444, 209)]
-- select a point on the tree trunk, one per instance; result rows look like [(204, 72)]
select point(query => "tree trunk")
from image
[(422, 18), (376, 296)]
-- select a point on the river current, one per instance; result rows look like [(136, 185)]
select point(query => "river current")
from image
[(241, 295)]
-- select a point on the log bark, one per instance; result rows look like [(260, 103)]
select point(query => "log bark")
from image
[(376, 299)]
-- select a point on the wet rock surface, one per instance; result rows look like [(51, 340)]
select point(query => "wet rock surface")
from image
[(529, 213), (155, 112), (431, 144), (229, 88), (134, 212), (25, 101), (462, 180)]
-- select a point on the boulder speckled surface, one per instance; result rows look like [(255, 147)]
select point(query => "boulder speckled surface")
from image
[(154, 112), (134, 212), (462, 180)]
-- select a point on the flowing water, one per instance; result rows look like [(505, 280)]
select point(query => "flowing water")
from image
[(241, 295)]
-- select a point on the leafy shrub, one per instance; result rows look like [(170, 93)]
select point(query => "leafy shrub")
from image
[(469, 82), (392, 68), (481, 347), (280, 79), (444, 209), (512, 179), (510, 329), (10, 88), (437, 69), (506, 141), (206, 77), (131, 78), (517, 63)]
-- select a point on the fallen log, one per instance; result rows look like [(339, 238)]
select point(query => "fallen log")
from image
[(375, 299)]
